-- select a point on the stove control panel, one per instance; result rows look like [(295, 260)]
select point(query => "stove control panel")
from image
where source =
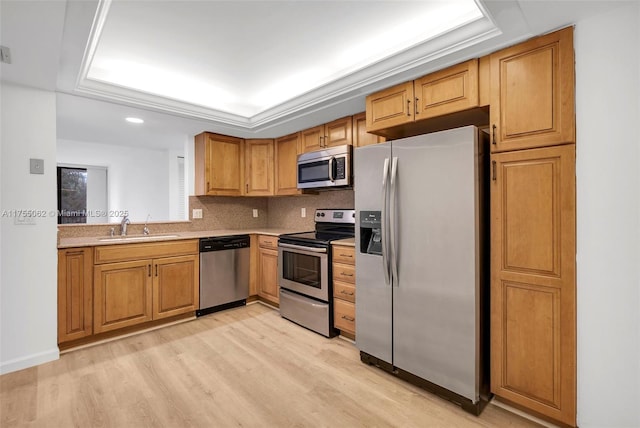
[(335, 216)]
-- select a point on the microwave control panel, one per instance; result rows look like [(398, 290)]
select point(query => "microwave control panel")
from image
[(340, 168)]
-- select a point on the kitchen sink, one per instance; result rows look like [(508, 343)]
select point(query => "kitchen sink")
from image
[(137, 238)]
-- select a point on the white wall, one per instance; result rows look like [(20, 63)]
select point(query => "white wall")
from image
[(28, 284), (138, 178), (608, 220)]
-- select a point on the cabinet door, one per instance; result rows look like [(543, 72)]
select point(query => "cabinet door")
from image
[(175, 286), (122, 294), (390, 107), (339, 132), (532, 93), (312, 139), (447, 91), (75, 293), (361, 137), (219, 165), (533, 290), (287, 150), (268, 275), (259, 170)]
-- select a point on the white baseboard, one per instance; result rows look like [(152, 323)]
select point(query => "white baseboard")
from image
[(29, 361)]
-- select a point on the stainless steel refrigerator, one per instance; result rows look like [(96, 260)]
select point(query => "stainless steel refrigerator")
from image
[(422, 268)]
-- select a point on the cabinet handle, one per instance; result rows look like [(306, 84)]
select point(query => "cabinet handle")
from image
[(408, 107), (346, 274), (493, 169), (347, 293), (156, 270), (416, 106), (207, 187), (493, 134), (346, 255), (149, 270), (344, 317), (247, 187)]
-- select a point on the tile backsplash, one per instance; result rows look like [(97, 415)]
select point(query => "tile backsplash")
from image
[(284, 212), (226, 212)]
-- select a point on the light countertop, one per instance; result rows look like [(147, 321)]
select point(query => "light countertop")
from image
[(168, 236), (350, 242)]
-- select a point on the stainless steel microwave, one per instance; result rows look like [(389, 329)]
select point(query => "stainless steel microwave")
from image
[(329, 167)]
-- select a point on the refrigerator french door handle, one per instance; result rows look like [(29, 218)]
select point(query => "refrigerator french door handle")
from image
[(383, 222), (392, 222)]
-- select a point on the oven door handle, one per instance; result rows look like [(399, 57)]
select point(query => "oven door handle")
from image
[(303, 248)]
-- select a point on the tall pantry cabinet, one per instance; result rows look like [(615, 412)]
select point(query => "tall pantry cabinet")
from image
[(533, 212)]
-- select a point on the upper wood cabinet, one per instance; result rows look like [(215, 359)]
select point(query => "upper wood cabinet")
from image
[(75, 293), (532, 93), (533, 280), (361, 137), (287, 149), (219, 165), (335, 133), (390, 107), (259, 171), (446, 91)]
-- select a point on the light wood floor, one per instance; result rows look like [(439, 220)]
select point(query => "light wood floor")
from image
[(242, 367)]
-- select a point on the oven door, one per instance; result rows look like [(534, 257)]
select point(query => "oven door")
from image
[(304, 270)]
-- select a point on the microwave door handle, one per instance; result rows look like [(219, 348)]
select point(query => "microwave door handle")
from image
[(383, 222), (332, 161)]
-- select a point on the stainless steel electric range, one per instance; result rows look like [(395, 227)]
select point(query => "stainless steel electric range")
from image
[(304, 270)]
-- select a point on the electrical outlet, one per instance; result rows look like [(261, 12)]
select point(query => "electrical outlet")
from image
[(255, 212), (303, 212), (197, 213)]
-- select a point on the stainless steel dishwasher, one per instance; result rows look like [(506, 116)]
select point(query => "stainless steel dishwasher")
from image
[(224, 273)]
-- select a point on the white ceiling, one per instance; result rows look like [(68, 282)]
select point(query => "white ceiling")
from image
[(260, 68)]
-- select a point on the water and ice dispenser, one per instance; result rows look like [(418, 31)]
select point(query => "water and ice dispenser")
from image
[(371, 232)]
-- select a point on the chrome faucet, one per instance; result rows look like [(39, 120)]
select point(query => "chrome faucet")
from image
[(145, 231), (123, 226)]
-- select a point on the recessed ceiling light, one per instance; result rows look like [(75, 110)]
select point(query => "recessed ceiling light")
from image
[(134, 120)]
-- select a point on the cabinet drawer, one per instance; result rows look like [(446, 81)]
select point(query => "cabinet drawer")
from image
[(150, 250), (268, 241), (343, 290), (345, 255), (346, 273), (344, 316)]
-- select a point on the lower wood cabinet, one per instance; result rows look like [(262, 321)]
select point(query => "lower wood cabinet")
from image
[(123, 293), (268, 288), (533, 280), (344, 289), (106, 288), (75, 293), (174, 292)]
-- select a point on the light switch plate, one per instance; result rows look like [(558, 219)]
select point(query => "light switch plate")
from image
[(197, 213), (36, 166), (255, 212), (303, 212), (24, 220)]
